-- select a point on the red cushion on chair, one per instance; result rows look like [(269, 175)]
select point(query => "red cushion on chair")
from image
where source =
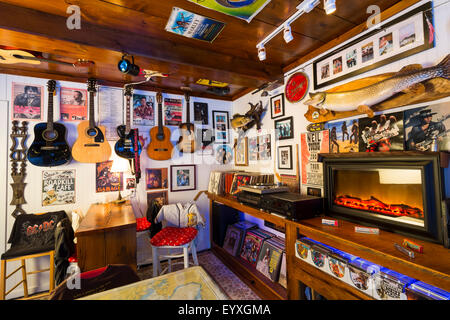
[(171, 236), (142, 224)]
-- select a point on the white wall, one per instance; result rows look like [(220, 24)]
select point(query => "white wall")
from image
[(297, 110), (85, 173)]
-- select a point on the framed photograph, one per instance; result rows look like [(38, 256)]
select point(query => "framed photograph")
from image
[(183, 177), (156, 178), (221, 126), (201, 112), (162, 197), (277, 106), (27, 101), (58, 187), (131, 183), (223, 154), (241, 153), (284, 128), (394, 40), (253, 151), (105, 180), (285, 158), (265, 147)]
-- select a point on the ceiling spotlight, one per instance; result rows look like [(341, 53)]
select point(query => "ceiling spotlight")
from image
[(127, 67), (261, 53), (330, 6), (287, 33)]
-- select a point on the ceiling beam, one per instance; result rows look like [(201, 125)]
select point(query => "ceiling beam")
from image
[(39, 23)]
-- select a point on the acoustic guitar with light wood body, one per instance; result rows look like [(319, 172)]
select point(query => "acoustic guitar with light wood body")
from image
[(160, 148), (91, 145), (187, 142)]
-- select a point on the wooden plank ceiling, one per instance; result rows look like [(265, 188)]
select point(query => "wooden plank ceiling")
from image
[(111, 27)]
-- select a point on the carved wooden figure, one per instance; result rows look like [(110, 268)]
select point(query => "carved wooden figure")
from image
[(18, 157)]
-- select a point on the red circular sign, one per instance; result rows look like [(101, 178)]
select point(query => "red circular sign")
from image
[(296, 87)]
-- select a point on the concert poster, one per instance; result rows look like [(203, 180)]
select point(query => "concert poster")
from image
[(73, 104), (105, 180), (27, 101), (143, 110), (426, 125), (311, 144), (344, 136), (173, 111), (58, 187), (381, 133)]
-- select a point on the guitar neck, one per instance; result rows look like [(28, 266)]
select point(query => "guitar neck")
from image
[(91, 110), (188, 113), (50, 111), (128, 121)]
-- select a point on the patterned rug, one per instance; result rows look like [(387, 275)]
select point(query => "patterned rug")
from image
[(227, 280)]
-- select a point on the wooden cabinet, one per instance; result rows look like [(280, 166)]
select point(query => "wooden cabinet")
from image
[(432, 267), (107, 235)]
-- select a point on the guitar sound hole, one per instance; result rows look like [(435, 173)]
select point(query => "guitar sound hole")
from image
[(91, 132), (50, 135)]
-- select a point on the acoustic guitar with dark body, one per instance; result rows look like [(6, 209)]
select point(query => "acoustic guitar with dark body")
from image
[(187, 142), (160, 148), (129, 146), (49, 147), (91, 145)]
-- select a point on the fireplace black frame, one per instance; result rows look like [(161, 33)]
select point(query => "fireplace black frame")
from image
[(435, 216)]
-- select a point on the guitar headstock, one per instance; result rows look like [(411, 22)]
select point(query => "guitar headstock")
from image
[(51, 86), (128, 91), (159, 97), (92, 85)]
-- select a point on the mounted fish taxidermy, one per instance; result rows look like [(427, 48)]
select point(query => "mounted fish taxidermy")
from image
[(412, 84), (242, 123)]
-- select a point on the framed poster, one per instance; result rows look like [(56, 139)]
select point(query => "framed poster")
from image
[(427, 125), (311, 144), (156, 178), (27, 101), (221, 126), (384, 132), (277, 106), (241, 153), (183, 177), (285, 157), (242, 9), (284, 128), (201, 112), (344, 136), (110, 111), (253, 151), (73, 104), (58, 187), (265, 147), (105, 180), (161, 197), (407, 35), (143, 110), (173, 112), (194, 26)]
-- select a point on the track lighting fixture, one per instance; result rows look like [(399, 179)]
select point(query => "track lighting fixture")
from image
[(287, 33), (261, 53), (330, 6), (127, 67)]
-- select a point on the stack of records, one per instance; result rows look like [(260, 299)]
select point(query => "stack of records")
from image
[(235, 236), (270, 258), (228, 182), (253, 241)]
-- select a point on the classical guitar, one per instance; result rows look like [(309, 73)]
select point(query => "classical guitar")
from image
[(91, 146), (49, 147), (160, 147), (187, 141), (129, 145)]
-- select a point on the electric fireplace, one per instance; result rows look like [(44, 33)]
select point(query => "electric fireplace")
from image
[(399, 192)]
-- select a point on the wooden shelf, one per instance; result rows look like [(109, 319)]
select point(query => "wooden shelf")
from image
[(432, 267), (265, 288)]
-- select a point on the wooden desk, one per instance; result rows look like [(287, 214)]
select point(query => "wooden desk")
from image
[(107, 235), (187, 284)]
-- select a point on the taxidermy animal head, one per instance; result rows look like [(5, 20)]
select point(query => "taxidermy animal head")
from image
[(315, 99)]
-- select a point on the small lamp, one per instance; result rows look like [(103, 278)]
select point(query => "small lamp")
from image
[(120, 165)]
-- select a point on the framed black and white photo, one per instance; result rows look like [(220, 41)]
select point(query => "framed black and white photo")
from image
[(285, 157), (221, 126), (201, 112), (277, 106), (407, 35), (241, 152), (284, 128), (183, 177)]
